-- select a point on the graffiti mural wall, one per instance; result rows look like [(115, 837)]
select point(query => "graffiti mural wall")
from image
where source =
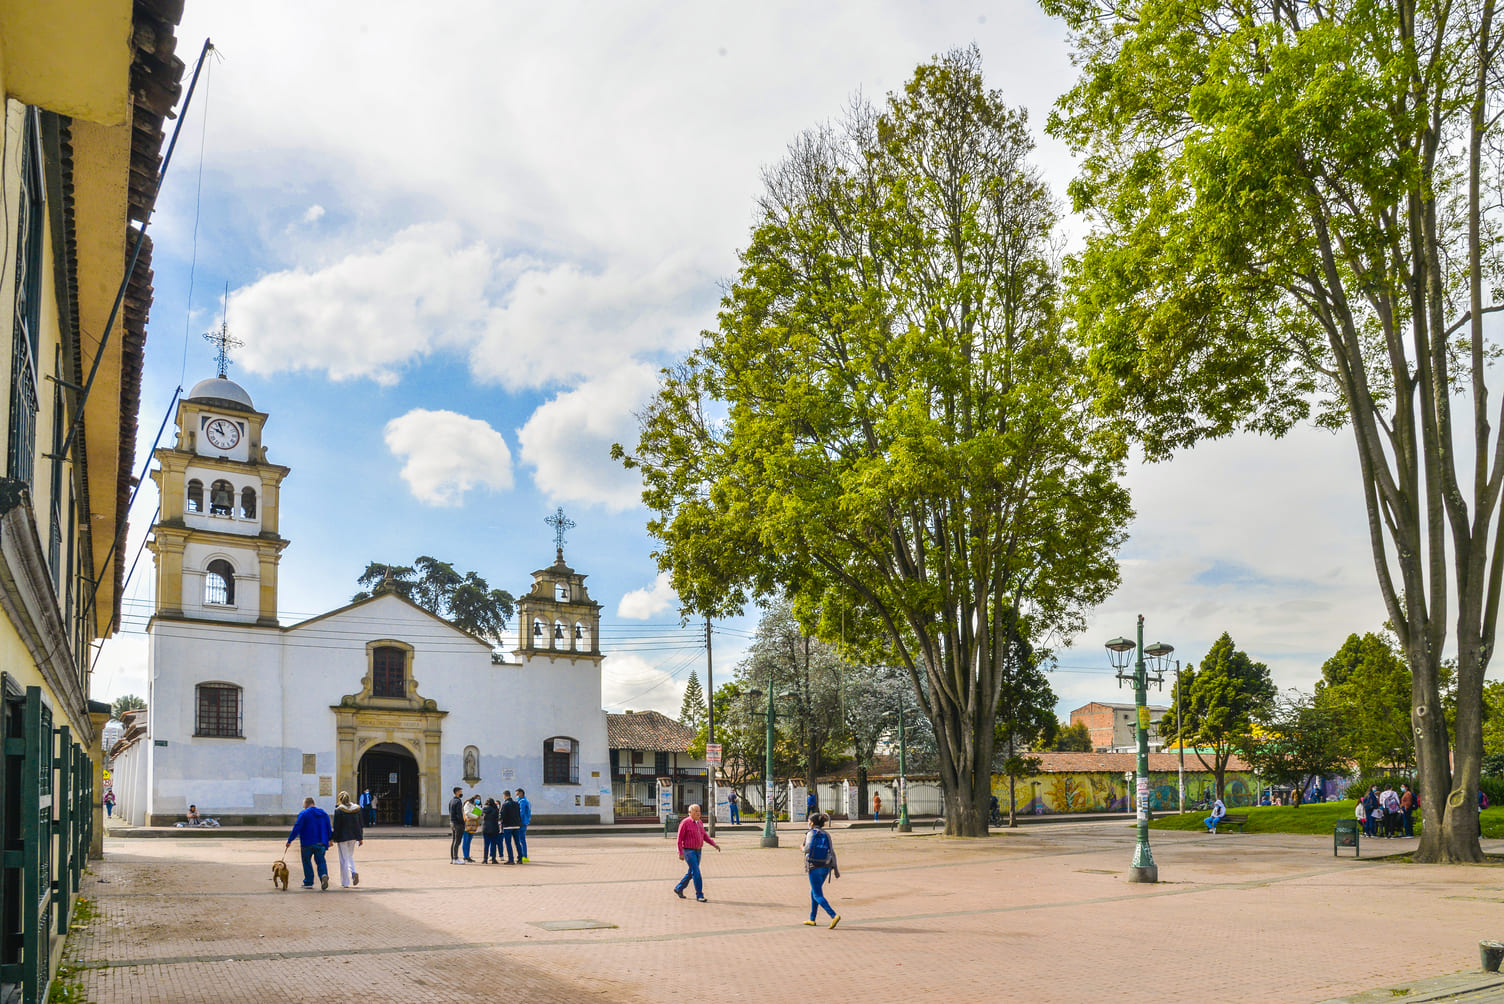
[(1047, 794)]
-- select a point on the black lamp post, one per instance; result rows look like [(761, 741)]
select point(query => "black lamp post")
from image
[(1144, 869)]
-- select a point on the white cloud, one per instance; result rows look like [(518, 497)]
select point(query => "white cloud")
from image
[(630, 682), (371, 313), (447, 455), (644, 604), (314, 214), (567, 441)]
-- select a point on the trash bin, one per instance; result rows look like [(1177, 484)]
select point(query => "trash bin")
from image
[(1492, 953), (671, 824), (1345, 834)]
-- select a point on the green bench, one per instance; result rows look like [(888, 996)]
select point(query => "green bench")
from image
[(1238, 819)]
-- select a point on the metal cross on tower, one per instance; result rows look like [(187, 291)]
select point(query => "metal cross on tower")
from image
[(561, 524), (224, 341)]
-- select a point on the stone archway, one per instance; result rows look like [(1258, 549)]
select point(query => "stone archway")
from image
[(390, 772)]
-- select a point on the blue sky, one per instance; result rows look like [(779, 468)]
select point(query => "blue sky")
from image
[(458, 248)]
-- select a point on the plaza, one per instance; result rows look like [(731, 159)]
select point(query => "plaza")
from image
[(1040, 913)]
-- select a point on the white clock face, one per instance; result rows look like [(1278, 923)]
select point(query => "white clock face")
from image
[(222, 433)]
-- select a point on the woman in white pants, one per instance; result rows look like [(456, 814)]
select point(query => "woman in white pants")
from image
[(348, 834)]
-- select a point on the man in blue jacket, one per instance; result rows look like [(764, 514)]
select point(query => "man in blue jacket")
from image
[(527, 817), (312, 830)]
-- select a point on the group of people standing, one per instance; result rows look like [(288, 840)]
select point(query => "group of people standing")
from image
[(501, 824), (1387, 813)]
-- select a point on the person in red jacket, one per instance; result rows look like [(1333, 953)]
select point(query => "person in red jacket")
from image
[(692, 839)]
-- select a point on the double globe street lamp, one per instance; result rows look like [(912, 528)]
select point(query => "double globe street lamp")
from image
[(1119, 649), (769, 816)]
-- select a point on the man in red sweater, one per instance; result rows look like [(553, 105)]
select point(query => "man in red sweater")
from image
[(692, 839)]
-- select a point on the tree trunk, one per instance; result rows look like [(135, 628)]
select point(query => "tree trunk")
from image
[(1449, 801), (1012, 802), (861, 791)]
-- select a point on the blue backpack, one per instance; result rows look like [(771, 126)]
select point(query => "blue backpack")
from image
[(818, 854)]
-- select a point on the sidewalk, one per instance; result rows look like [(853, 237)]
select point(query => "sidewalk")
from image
[(1034, 914)]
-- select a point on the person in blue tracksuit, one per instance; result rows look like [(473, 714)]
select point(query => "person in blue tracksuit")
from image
[(527, 817), (313, 831)]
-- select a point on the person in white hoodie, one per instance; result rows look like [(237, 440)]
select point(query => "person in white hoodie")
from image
[(349, 833)]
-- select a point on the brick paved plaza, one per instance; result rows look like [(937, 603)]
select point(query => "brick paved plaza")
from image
[(1042, 913)]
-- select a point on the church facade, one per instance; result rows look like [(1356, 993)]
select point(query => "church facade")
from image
[(247, 717)]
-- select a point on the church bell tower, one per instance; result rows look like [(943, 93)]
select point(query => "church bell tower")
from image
[(215, 543), (557, 618)]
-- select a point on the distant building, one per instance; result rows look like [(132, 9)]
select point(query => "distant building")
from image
[(1112, 726), (647, 746)]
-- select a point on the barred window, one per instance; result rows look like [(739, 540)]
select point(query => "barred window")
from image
[(388, 672), (561, 760), (218, 711), (219, 583)]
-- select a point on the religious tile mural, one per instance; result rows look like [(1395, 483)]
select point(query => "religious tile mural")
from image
[(1107, 791)]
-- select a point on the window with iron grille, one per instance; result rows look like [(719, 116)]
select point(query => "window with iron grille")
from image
[(219, 583), (218, 711), (21, 445), (561, 760), (388, 672)]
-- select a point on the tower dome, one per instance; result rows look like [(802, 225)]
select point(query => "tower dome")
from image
[(223, 391)]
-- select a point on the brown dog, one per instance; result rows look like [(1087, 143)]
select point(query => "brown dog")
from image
[(279, 874)]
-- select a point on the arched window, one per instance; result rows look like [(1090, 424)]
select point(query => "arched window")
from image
[(248, 503), (389, 672), (221, 499), (537, 630), (219, 583), (581, 637), (561, 592), (558, 635), (195, 495), (561, 760), (219, 711)]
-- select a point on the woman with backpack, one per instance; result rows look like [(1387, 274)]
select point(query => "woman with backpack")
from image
[(820, 864)]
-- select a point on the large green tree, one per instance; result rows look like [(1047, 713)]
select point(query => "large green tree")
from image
[(692, 710), (467, 601), (1025, 712), (1295, 741), (1218, 704), (886, 425), (129, 702), (1295, 208), (1365, 692)]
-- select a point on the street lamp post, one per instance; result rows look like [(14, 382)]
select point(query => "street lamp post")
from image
[(903, 777), (1144, 869), (769, 820)]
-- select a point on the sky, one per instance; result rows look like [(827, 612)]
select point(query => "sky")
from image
[(459, 243)]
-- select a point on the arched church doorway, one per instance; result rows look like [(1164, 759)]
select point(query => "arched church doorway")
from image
[(390, 771)]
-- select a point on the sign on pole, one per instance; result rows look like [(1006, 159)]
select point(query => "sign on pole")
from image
[(712, 752)]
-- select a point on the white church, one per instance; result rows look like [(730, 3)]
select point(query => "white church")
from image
[(247, 716)]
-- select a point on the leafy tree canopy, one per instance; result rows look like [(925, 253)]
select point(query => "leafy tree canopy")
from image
[(466, 601), (1074, 738), (1218, 704), (886, 424), (1365, 692), (1296, 211), (120, 705)]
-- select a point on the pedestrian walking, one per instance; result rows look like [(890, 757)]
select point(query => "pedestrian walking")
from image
[(819, 865), (349, 833), (811, 804), (1218, 811), (490, 832), (369, 805), (692, 840), (312, 831), (456, 826), (511, 822), (735, 802), (526, 808), (109, 803), (877, 806), (472, 827)]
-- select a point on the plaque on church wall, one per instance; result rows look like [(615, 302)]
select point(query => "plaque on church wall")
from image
[(310, 763), (326, 785), (563, 746), (592, 800)]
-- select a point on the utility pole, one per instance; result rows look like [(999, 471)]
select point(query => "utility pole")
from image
[(1179, 738), (710, 735)]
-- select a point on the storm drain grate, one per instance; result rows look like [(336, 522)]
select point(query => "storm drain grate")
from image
[(572, 925)]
